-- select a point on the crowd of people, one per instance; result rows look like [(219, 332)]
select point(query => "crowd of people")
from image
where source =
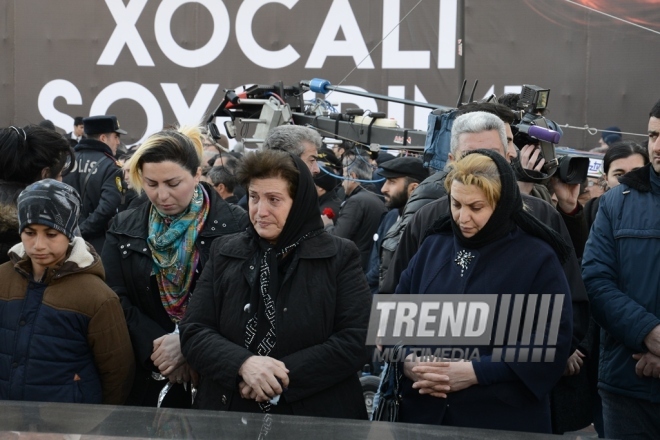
[(180, 273)]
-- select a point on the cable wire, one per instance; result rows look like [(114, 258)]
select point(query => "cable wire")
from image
[(375, 47), (593, 131), (612, 16)]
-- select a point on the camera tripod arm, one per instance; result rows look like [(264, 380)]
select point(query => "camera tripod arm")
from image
[(361, 133)]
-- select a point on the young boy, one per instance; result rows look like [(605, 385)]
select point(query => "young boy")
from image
[(63, 336)]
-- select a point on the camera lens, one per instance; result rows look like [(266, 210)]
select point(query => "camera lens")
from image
[(573, 169)]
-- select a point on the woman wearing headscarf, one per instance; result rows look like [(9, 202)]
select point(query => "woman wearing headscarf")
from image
[(27, 154), (154, 254), (278, 321), (488, 244)]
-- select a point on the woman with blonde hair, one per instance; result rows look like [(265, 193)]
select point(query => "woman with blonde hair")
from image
[(489, 245), (155, 252)]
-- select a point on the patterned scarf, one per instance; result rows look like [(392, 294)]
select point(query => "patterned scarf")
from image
[(172, 244), (268, 267), (303, 222)]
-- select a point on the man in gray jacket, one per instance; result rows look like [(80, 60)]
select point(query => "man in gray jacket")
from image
[(359, 215)]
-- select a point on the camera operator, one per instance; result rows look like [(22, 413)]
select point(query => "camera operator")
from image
[(532, 163)]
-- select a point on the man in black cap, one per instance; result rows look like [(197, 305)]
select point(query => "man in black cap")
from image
[(402, 175), (97, 177), (74, 137)]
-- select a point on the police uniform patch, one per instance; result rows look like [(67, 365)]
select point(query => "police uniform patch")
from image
[(120, 187)]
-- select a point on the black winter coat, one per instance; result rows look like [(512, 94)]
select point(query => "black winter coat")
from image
[(358, 220), (102, 191), (322, 312), (128, 265)]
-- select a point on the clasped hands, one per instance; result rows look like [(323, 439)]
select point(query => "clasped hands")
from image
[(169, 360), (437, 377), (263, 377)]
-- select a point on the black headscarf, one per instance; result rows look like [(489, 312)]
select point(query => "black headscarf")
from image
[(303, 222), (508, 214), (305, 215)]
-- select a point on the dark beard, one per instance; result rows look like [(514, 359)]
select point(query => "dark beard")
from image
[(397, 201)]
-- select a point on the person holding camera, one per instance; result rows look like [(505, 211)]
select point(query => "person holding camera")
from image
[(486, 125)]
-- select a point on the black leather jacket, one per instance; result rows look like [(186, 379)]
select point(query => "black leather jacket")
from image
[(128, 266)]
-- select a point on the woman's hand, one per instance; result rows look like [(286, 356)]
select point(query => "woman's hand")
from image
[(574, 363), (167, 355), (440, 378), (246, 391), (180, 374), (411, 361), (263, 374), (184, 374)]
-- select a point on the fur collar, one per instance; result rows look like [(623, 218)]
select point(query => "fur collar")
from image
[(639, 179), (81, 258), (8, 218)]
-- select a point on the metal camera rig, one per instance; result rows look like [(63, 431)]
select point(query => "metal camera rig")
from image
[(532, 128), (259, 108)]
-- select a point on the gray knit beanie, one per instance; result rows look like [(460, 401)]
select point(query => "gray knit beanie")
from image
[(51, 203)]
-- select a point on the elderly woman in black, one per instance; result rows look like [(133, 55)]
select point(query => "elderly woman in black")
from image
[(278, 321), (154, 254)]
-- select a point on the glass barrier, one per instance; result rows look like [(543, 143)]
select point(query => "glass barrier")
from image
[(50, 421)]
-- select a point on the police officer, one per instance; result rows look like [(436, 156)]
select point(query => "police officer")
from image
[(97, 177)]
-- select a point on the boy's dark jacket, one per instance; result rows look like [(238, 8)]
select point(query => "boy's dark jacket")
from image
[(63, 339)]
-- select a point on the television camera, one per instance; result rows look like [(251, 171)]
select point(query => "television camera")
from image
[(255, 110), (532, 128)]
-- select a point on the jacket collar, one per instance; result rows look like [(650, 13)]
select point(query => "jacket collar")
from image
[(93, 145), (354, 192), (81, 258), (639, 179), (244, 246)]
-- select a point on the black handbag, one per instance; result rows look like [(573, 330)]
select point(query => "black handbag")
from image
[(389, 397)]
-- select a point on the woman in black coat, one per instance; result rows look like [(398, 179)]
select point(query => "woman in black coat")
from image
[(488, 244), (278, 321), (154, 254)]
